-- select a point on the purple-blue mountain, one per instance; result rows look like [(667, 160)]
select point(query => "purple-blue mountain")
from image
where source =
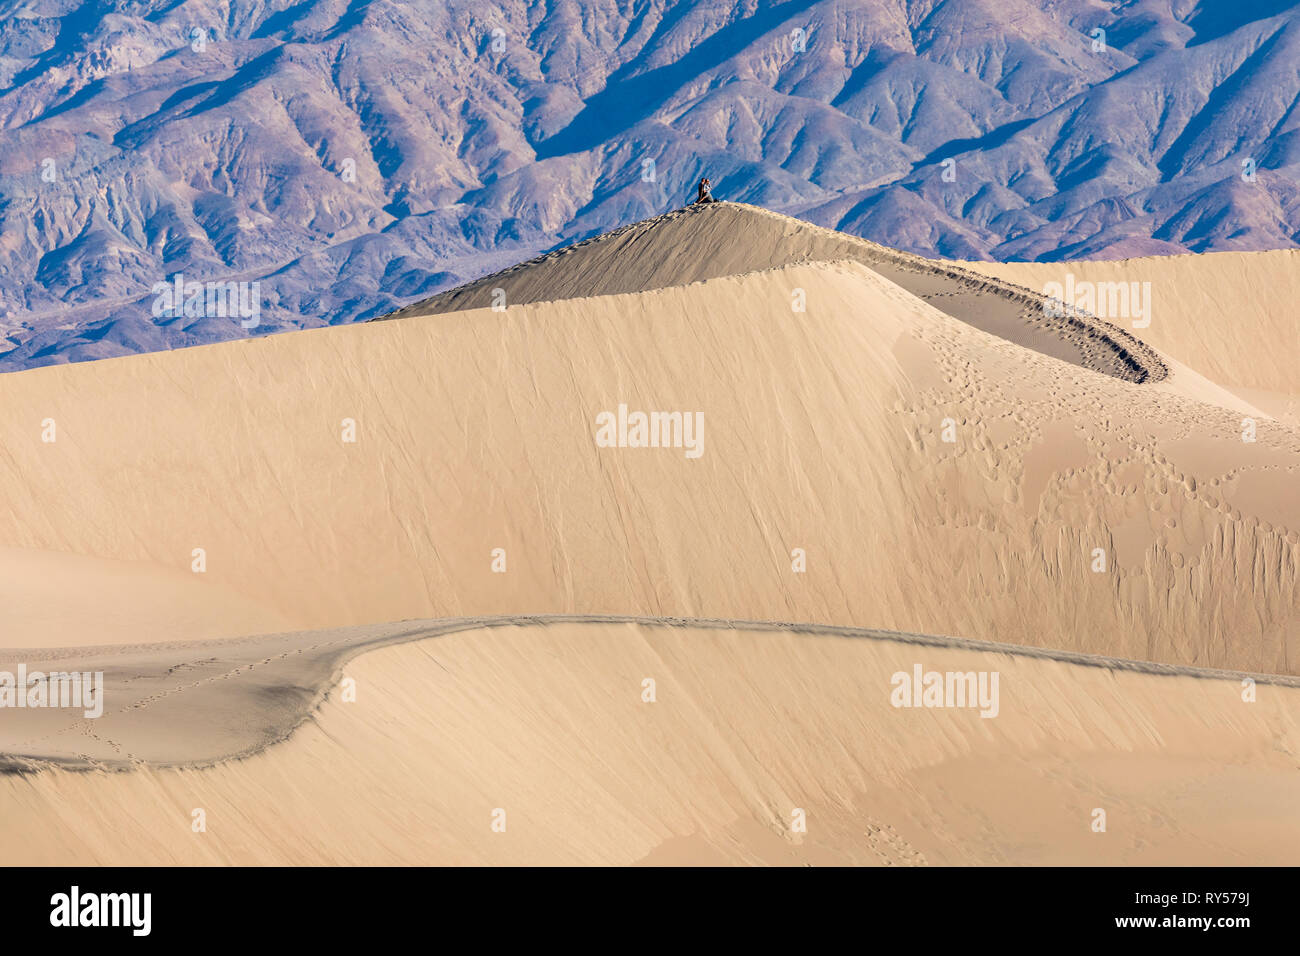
[(353, 156)]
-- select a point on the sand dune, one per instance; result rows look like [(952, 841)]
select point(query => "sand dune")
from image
[(550, 724), (887, 443), (824, 432)]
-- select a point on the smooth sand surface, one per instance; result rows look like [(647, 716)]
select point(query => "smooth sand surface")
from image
[(550, 724), (823, 431), (53, 598), (887, 444)]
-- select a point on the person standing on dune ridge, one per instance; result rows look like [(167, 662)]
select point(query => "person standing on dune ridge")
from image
[(704, 194)]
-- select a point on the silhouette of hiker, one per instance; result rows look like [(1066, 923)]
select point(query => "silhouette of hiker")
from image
[(705, 195)]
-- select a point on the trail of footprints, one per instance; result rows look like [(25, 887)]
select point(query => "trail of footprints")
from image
[(143, 702), (891, 848)]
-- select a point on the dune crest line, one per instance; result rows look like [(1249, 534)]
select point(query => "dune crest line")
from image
[(729, 238), (248, 702)]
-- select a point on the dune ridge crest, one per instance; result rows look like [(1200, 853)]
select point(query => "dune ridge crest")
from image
[(709, 241), (238, 697)]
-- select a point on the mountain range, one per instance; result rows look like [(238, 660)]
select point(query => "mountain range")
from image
[(348, 157)]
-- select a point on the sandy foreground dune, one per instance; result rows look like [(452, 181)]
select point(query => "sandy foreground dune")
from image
[(551, 724), (886, 443)]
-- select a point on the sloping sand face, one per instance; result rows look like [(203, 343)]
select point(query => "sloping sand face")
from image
[(874, 441), (726, 239), (868, 460), (624, 743)]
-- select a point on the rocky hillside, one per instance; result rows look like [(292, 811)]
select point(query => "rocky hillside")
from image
[(350, 156)]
